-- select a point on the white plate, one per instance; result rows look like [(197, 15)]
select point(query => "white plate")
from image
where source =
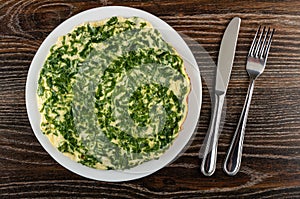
[(194, 100)]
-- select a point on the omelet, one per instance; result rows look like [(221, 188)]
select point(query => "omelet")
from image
[(113, 93)]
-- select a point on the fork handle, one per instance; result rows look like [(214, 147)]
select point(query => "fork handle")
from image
[(234, 155)]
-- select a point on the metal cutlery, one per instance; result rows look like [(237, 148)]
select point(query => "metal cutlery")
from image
[(225, 61), (256, 62)]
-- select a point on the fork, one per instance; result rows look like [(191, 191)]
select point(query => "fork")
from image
[(256, 62)]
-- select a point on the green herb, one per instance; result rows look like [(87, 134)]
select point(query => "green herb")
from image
[(97, 72)]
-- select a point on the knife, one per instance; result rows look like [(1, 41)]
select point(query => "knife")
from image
[(225, 61)]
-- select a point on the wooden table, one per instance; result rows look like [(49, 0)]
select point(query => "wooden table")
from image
[(271, 160)]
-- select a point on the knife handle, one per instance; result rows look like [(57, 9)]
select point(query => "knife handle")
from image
[(208, 165)]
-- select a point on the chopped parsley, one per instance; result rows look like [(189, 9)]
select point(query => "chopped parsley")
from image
[(113, 93)]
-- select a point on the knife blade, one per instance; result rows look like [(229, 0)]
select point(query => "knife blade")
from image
[(223, 71)]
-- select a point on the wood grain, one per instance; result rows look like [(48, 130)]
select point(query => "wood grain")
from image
[(271, 160)]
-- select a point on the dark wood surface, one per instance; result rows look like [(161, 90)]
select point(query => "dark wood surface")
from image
[(271, 159)]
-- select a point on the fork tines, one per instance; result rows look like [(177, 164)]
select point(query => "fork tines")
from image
[(261, 43)]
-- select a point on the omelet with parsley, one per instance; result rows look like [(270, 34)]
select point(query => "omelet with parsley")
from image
[(113, 94)]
